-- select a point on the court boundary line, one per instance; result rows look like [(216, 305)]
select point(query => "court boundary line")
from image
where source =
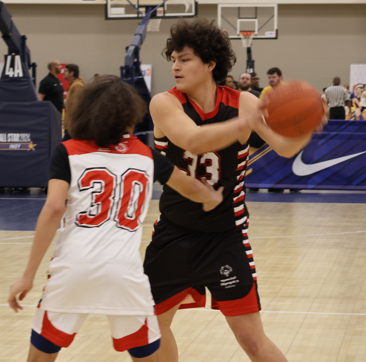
[(262, 311), (23, 198), (253, 237)]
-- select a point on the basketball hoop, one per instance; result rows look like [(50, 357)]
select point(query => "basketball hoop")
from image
[(247, 37), (154, 23)]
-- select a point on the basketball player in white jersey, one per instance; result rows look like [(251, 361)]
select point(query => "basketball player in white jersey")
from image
[(194, 126), (100, 184)]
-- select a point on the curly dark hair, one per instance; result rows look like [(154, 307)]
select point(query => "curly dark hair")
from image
[(104, 109), (208, 42)]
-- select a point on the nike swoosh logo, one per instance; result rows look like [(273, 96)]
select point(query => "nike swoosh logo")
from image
[(300, 168)]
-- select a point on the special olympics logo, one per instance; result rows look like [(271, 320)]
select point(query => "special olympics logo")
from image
[(226, 270), (121, 147)]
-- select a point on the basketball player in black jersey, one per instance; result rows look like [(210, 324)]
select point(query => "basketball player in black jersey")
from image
[(204, 130)]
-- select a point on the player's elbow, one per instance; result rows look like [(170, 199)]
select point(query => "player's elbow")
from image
[(194, 149), (54, 209), (194, 146)]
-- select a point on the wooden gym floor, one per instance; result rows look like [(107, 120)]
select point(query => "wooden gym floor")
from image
[(311, 266)]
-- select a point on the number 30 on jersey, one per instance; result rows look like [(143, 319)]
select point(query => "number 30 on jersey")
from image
[(132, 189)]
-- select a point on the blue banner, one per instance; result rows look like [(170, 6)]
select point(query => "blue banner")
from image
[(29, 132), (333, 160)]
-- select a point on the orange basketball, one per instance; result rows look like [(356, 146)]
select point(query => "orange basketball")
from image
[(294, 109)]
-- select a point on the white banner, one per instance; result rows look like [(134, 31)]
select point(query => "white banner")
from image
[(146, 72), (357, 75)]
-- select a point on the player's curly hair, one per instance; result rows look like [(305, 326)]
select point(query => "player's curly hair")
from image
[(208, 42), (104, 109)]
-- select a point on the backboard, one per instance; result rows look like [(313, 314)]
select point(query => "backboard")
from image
[(260, 18), (136, 9)]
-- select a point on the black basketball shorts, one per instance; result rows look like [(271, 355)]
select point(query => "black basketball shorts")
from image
[(181, 261)]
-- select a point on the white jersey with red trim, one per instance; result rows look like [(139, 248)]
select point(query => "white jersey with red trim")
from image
[(96, 266)]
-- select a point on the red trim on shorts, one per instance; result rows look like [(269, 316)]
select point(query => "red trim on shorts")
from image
[(50, 332), (248, 304), (137, 339), (200, 300), (168, 304)]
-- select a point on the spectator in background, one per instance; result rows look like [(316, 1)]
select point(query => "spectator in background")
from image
[(323, 95), (50, 88), (337, 96), (245, 84), (356, 100), (274, 80), (230, 82), (255, 82), (363, 103), (71, 74), (346, 108)]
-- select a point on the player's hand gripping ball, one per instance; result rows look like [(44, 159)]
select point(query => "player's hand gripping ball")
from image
[(293, 109)]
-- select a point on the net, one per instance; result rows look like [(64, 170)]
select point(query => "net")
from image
[(154, 25), (247, 37)]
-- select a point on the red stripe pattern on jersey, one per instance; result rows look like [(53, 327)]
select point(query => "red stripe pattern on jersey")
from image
[(161, 145), (239, 193), (241, 220)]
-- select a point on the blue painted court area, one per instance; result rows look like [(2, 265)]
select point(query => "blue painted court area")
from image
[(19, 211)]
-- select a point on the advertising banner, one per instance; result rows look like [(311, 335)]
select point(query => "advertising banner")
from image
[(146, 72), (333, 160)]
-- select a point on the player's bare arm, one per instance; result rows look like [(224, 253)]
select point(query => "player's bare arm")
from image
[(48, 222), (249, 106), (201, 192), (171, 121)]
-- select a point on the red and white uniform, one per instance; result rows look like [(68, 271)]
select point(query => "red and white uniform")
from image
[(96, 266)]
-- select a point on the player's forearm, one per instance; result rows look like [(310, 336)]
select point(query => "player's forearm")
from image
[(283, 146), (214, 137), (196, 192), (191, 188), (47, 225)]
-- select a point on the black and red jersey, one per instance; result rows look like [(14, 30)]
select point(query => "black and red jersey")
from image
[(226, 168)]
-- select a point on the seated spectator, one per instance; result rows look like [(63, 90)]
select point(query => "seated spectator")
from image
[(274, 80), (230, 82), (356, 99), (363, 103), (255, 82), (245, 84)]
